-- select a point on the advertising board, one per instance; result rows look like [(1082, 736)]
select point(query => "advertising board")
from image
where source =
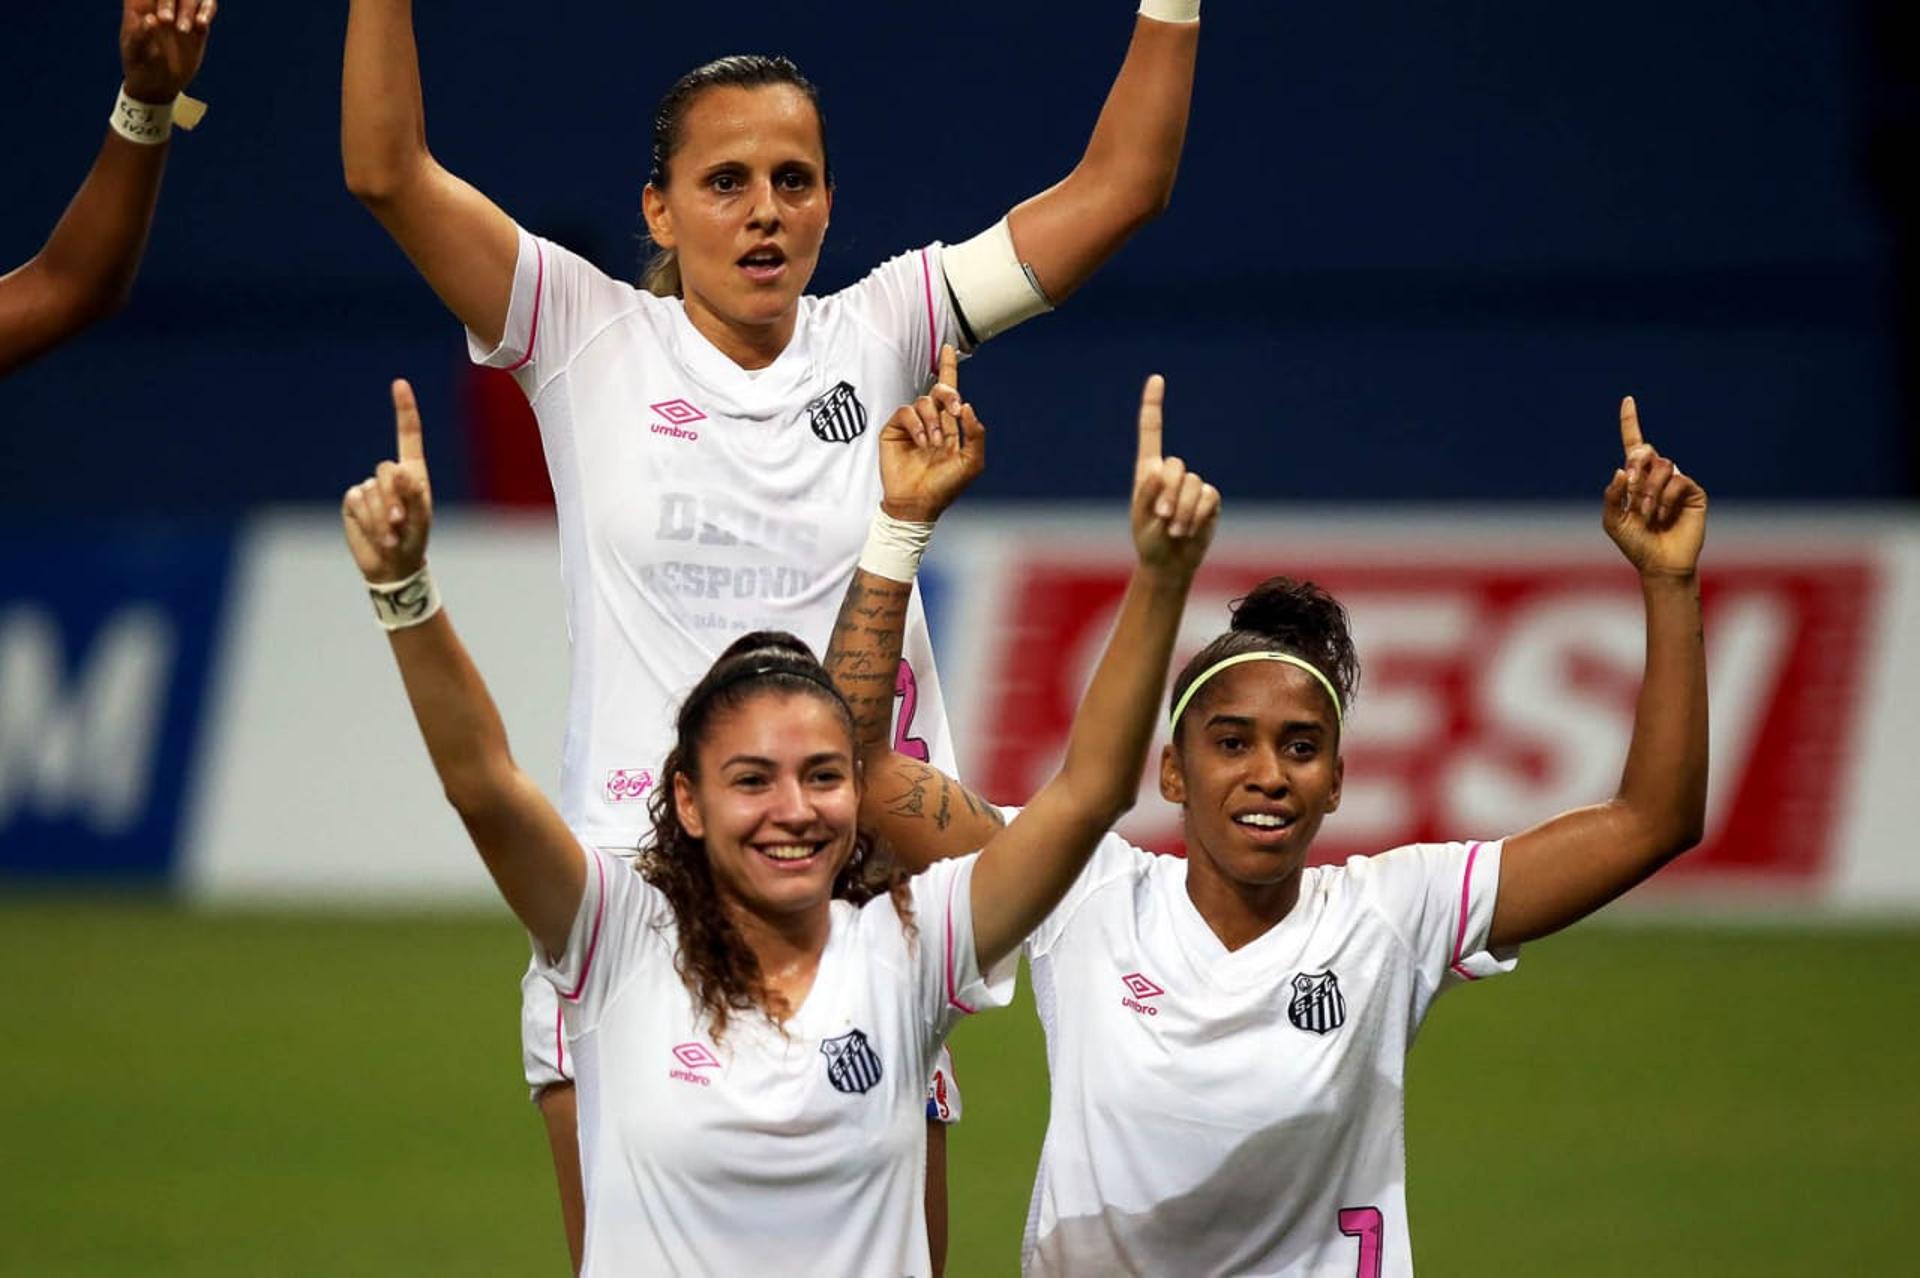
[(106, 650), (239, 731), (1501, 662)]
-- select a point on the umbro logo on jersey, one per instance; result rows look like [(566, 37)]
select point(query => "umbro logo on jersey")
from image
[(838, 417), (1317, 1005), (852, 1064), (676, 415), (693, 1058), (1138, 988)]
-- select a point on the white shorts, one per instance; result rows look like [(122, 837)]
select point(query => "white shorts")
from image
[(546, 1061)]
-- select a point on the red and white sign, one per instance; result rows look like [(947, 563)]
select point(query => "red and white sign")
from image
[(1501, 658), (1497, 688)]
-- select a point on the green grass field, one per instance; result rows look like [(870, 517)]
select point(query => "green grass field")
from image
[(283, 1094)]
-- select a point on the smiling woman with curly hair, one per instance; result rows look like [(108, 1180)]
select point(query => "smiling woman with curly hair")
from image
[(753, 1011)]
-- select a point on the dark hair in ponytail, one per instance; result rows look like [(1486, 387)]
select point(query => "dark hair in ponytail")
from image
[(718, 968), (1283, 615), (661, 275)]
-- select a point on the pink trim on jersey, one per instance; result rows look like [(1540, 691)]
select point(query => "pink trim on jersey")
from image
[(539, 287), (1460, 936), (933, 332), (593, 938), (559, 1043), (953, 994)]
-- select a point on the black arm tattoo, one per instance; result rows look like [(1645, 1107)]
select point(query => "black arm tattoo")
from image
[(864, 661), (864, 656), (929, 795), (977, 805)]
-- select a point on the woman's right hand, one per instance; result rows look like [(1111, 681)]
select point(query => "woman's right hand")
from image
[(161, 44), (931, 449), (388, 515), (1174, 510)]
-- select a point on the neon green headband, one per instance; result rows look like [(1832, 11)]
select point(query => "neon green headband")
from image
[(1180, 706)]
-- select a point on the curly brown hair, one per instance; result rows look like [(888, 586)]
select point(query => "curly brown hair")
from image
[(718, 968)]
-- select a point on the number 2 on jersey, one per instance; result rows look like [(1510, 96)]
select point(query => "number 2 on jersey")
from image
[(1364, 1223), (907, 688)]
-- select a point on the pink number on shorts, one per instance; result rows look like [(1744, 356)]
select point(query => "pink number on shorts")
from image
[(1364, 1223), (907, 688)]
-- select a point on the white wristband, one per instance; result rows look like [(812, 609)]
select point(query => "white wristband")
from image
[(1171, 10), (141, 122), (407, 602), (894, 547)]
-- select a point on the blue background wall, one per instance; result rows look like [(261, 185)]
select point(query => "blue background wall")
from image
[(1416, 252)]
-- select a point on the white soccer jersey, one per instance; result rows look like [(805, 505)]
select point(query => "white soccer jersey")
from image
[(1241, 1113), (545, 1060), (698, 501), (766, 1153)]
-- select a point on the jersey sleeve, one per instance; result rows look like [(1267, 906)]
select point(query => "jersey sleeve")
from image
[(951, 984), (618, 911), (560, 301), (1439, 899), (1113, 858), (904, 302), (943, 1090)]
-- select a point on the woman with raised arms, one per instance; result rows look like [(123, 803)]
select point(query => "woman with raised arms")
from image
[(755, 1002), (707, 434), (1227, 1033)]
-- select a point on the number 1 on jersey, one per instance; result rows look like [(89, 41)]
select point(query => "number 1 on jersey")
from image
[(1364, 1223)]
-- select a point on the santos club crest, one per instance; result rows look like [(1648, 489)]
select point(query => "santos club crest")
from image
[(1317, 1005), (838, 417), (852, 1064)]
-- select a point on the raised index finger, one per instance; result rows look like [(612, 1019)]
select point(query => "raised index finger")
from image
[(406, 424), (950, 366), (1151, 401), (1630, 437)]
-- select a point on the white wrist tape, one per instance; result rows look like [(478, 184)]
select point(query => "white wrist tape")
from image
[(142, 122), (1171, 10), (407, 602), (894, 547), (994, 288), (150, 125)]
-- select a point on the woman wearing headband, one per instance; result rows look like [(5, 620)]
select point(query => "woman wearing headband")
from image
[(1227, 1033), (754, 1005)]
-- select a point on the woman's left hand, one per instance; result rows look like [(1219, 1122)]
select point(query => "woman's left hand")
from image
[(1174, 510), (931, 449), (1654, 513)]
